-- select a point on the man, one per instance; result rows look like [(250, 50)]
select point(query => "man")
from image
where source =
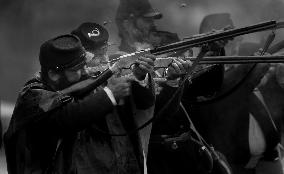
[(137, 31), (136, 27), (240, 105), (52, 131), (178, 66), (94, 39)]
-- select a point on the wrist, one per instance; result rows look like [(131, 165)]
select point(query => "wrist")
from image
[(138, 73)]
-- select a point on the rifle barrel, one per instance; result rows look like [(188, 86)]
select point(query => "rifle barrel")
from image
[(211, 37), (165, 62), (241, 59)]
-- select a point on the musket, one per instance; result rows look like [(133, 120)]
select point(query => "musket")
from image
[(128, 59), (165, 62)]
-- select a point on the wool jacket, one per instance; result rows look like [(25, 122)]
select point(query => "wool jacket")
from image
[(54, 133)]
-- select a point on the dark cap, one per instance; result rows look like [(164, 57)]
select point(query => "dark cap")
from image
[(62, 52), (215, 21), (92, 35), (136, 8), (151, 13)]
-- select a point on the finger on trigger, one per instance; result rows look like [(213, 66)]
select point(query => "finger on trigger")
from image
[(180, 65), (176, 68)]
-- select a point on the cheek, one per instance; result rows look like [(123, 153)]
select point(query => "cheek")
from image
[(73, 76)]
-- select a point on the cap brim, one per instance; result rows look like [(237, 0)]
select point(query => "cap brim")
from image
[(154, 15)]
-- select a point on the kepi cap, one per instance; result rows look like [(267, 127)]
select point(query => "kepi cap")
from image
[(92, 35), (62, 52)]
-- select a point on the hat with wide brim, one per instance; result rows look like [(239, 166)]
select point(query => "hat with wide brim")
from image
[(136, 8)]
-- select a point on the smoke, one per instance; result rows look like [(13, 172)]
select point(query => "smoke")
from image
[(26, 24)]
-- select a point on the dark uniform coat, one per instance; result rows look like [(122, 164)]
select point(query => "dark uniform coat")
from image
[(54, 133)]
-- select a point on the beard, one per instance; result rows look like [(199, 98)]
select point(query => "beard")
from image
[(63, 82)]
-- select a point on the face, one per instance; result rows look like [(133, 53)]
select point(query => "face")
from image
[(75, 75), (145, 24), (98, 56), (101, 52)]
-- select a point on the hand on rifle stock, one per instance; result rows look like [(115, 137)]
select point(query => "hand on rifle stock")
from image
[(177, 68), (143, 65), (140, 64)]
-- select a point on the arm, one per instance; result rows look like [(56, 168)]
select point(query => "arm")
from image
[(142, 92), (78, 114), (143, 96), (176, 69)]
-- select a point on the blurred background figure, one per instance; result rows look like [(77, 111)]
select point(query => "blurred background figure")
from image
[(244, 147), (136, 26)]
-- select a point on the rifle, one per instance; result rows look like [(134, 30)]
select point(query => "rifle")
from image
[(127, 60), (165, 62)]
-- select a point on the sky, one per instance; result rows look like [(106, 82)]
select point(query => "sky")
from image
[(26, 24)]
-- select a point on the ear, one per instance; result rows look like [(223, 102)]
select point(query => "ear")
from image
[(53, 76)]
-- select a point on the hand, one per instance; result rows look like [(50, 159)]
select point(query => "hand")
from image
[(119, 86), (177, 68), (143, 65), (259, 52), (217, 45)]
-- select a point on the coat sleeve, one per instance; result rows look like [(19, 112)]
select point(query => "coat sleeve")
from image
[(78, 114), (165, 95), (143, 96)]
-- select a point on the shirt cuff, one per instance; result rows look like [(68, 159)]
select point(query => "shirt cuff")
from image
[(110, 95)]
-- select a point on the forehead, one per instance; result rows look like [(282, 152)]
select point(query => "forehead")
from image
[(95, 50)]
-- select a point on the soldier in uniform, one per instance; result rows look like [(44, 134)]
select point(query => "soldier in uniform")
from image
[(136, 27), (56, 132), (254, 149), (171, 149), (94, 38)]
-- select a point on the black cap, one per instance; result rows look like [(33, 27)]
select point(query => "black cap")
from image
[(136, 8), (215, 21), (92, 35), (62, 52), (151, 13)]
